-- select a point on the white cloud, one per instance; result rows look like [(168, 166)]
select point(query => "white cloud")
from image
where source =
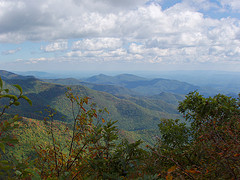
[(233, 4), (200, 4), (98, 43), (97, 55), (11, 51), (136, 49), (56, 46), (105, 30), (40, 60), (106, 6), (226, 32)]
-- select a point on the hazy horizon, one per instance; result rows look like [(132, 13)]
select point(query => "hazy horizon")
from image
[(192, 76)]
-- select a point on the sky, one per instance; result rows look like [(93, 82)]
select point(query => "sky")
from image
[(119, 35)]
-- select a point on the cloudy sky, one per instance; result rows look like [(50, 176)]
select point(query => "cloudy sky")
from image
[(119, 35)]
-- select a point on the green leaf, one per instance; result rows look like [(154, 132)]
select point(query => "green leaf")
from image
[(1, 83), (18, 173), (6, 90), (16, 103), (18, 87), (10, 96), (27, 99), (16, 117), (32, 172), (4, 162), (2, 146), (5, 167)]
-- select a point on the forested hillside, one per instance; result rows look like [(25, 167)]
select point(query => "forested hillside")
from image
[(131, 112), (89, 145), (130, 84)]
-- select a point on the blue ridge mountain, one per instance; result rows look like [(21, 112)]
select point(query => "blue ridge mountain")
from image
[(9, 75), (144, 86), (132, 113)]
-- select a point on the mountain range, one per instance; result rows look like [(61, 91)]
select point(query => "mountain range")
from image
[(128, 84), (137, 103), (132, 112)]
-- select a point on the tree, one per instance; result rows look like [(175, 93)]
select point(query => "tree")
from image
[(92, 150), (11, 168), (209, 147), (215, 124)]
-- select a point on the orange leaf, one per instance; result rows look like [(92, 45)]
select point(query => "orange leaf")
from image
[(171, 169), (169, 177), (103, 120), (193, 171)]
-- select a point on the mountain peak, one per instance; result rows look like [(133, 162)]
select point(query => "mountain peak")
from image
[(9, 75)]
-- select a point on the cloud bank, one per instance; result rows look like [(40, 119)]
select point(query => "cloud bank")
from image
[(136, 30)]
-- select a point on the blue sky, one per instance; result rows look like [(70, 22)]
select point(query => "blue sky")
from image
[(113, 35)]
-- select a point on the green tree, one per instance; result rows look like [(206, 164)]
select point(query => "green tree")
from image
[(92, 150), (10, 167), (208, 148)]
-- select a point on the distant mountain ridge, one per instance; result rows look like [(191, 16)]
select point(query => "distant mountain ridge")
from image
[(144, 86), (137, 103), (128, 84), (114, 80), (9, 75), (112, 89), (132, 113)]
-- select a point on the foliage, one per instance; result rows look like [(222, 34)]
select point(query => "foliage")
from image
[(174, 134), (7, 139), (91, 151), (210, 150), (206, 146)]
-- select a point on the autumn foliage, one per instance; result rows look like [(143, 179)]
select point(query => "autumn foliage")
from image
[(93, 149), (203, 146), (210, 147)]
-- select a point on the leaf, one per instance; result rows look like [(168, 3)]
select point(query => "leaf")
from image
[(18, 173), (193, 171), (103, 120), (105, 109), (27, 99), (169, 177), (29, 170), (4, 162), (16, 103), (10, 96), (171, 169), (2, 147), (1, 83), (6, 90), (10, 144), (15, 118), (18, 87)]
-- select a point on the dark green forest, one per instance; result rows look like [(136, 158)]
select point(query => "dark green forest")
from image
[(51, 131)]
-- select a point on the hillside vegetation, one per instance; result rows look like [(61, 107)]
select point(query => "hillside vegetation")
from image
[(131, 112), (128, 84), (90, 148)]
